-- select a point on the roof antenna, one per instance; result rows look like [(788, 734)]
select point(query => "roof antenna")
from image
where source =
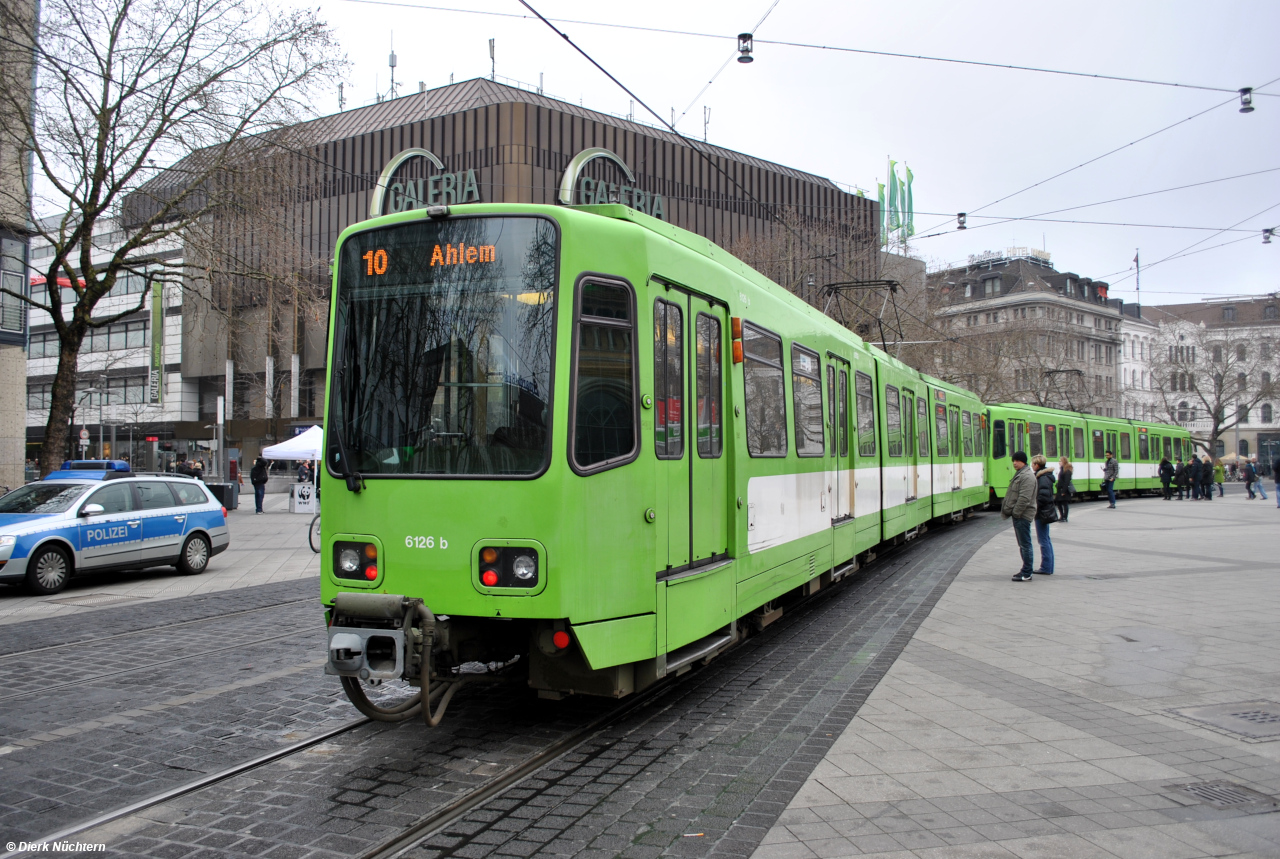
[(342, 98), (391, 61), (493, 65)]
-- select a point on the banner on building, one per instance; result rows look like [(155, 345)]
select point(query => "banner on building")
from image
[(155, 380)]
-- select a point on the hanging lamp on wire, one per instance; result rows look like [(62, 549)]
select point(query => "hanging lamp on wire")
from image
[(1246, 99), (744, 48)]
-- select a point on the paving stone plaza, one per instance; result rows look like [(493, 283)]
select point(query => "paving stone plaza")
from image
[(1128, 706)]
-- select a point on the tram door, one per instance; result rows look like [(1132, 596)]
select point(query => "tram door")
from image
[(923, 485), (909, 444), (692, 485), (957, 448)]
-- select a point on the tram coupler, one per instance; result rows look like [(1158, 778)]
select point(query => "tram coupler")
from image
[(380, 636)]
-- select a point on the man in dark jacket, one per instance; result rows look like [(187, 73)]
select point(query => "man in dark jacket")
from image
[(1206, 478), (1193, 476), (1110, 471), (258, 477), (1020, 506), (1046, 512), (1166, 477), (1180, 477)]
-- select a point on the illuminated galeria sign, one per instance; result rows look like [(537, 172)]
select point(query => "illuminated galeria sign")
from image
[(586, 191), (442, 189)]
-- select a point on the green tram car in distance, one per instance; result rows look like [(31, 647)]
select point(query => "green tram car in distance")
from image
[(1084, 439), (595, 448)]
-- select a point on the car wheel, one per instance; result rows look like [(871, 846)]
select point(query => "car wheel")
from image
[(195, 555), (48, 570)]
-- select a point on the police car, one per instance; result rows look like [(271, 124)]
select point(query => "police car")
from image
[(93, 516)]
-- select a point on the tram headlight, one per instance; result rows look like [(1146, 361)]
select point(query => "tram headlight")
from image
[(524, 567), (348, 561)]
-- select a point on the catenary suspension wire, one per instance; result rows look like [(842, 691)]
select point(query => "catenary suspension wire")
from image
[(731, 58), (810, 46), (1184, 251)]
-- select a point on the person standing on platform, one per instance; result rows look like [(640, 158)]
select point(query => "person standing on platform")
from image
[(1046, 513), (258, 476), (1206, 478), (1275, 475), (1020, 506), (1110, 471), (1166, 477), (1219, 475), (1065, 488), (1250, 476), (1193, 476)]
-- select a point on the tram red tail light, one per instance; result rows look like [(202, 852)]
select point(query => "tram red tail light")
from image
[(370, 573), (490, 578), (560, 639)]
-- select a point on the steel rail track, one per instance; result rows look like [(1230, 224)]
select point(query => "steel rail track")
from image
[(209, 619), (189, 787)]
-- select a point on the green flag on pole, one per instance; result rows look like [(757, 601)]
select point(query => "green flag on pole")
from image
[(894, 220), (884, 216), (910, 206)]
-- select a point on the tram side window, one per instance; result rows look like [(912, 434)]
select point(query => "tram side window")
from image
[(1078, 434), (766, 398), (866, 403), (922, 427), (893, 420), (710, 388), (843, 417), (604, 431), (831, 406), (1037, 448), (1098, 445), (1051, 441), (1126, 449), (908, 423), (1144, 447), (966, 425), (668, 379), (1168, 448), (944, 438), (806, 392), (980, 435)]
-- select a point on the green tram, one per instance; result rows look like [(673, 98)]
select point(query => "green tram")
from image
[(1084, 439), (594, 448)]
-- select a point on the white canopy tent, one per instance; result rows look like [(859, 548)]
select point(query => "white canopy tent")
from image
[(308, 445)]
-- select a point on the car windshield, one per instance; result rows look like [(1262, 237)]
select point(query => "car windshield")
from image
[(443, 345), (43, 497)]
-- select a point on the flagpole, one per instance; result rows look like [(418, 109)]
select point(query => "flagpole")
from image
[(1138, 279)]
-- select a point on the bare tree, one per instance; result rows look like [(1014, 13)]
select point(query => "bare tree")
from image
[(1210, 377), (124, 88)]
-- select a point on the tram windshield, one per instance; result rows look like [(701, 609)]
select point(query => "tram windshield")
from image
[(442, 349)]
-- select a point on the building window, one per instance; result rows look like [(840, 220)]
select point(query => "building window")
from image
[(1266, 379), (1241, 352), (38, 396), (1242, 381), (13, 269), (1267, 415), (1228, 314), (991, 286), (1270, 312), (968, 290)]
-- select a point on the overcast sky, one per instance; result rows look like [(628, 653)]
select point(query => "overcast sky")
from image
[(970, 135)]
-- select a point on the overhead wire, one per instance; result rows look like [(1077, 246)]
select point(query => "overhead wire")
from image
[(667, 31)]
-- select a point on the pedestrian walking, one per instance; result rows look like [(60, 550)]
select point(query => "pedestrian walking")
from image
[(1166, 477), (1020, 506), (1258, 481), (1066, 488), (1206, 479), (1249, 477), (1275, 475), (1046, 513), (1219, 475), (304, 471), (1193, 476), (258, 476), (1181, 478), (1110, 471)]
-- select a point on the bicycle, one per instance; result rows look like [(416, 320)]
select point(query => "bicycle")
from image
[(313, 533)]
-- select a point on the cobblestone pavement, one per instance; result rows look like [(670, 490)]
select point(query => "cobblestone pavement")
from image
[(264, 549), (718, 754), (1054, 718)]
